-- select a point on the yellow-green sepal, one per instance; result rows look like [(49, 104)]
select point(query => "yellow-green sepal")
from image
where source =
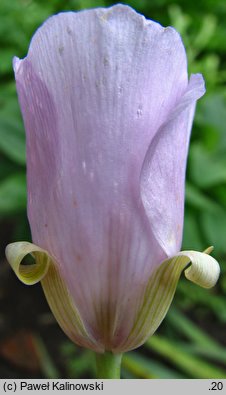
[(199, 268), (28, 274), (203, 270), (45, 270)]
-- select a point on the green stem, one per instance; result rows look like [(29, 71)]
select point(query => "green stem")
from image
[(108, 365)]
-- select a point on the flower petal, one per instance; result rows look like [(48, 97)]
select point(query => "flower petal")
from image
[(94, 89), (203, 270), (57, 295), (163, 174)]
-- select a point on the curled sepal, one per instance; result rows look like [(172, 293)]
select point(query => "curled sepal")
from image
[(45, 269), (199, 267), (204, 269), (32, 273)]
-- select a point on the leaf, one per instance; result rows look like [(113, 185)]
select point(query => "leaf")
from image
[(80, 364), (12, 139), (202, 343), (200, 161), (214, 228), (79, 361), (196, 199), (212, 112), (189, 297), (192, 365), (13, 194), (45, 361), (7, 167), (192, 235), (6, 60), (145, 368), (185, 326), (208, 28)]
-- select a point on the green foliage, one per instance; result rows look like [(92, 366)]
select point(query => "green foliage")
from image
[(203, 29), (13, 194)]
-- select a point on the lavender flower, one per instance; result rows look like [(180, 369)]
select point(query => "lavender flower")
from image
[(108, 109)]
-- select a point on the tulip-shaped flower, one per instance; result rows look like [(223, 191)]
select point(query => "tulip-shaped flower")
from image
[(108, 109)]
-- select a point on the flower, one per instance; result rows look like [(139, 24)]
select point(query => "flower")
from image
[(108, 109)]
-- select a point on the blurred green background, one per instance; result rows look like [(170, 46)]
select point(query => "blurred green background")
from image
[(191, 342)]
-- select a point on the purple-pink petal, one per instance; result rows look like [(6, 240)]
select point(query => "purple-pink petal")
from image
[(163, 171)]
